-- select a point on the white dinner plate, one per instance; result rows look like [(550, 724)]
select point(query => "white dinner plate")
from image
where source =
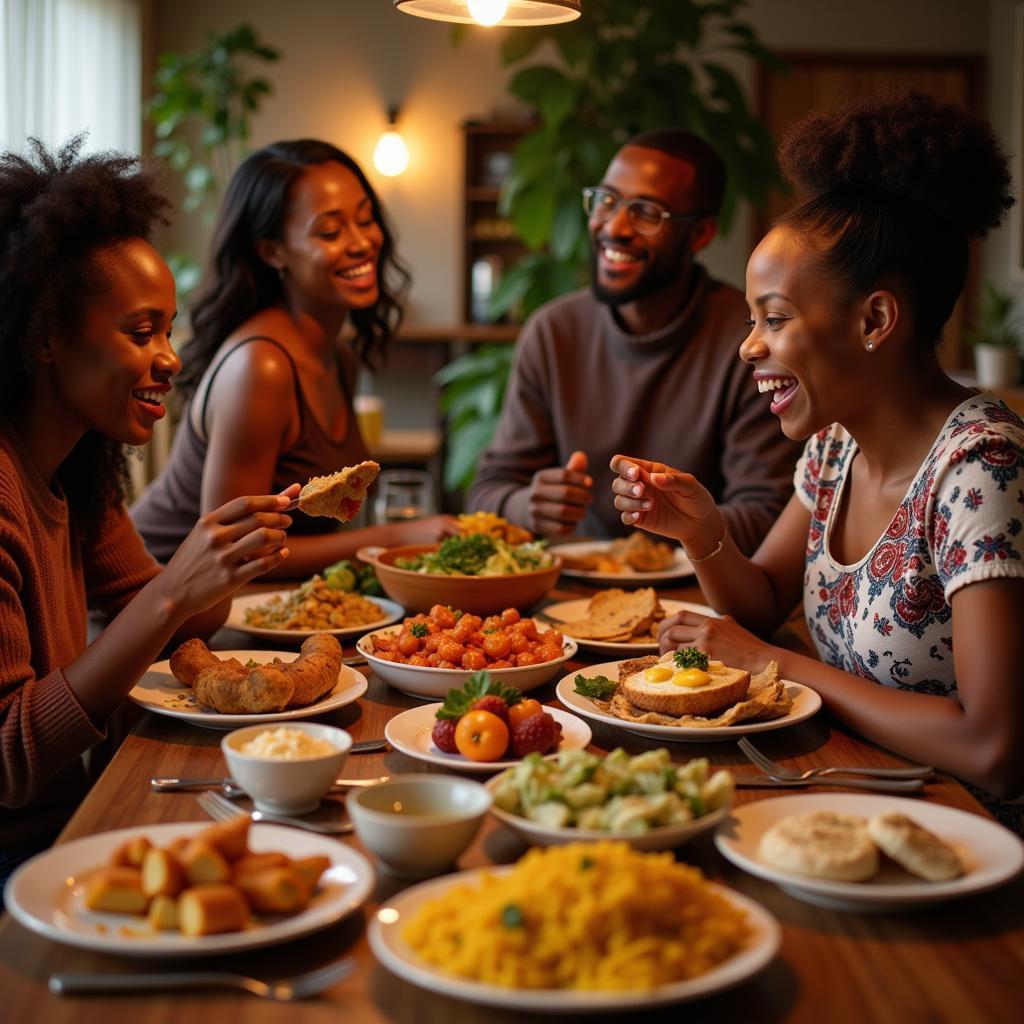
[(410, 732), (160, 692), (570, 611), (391, 949), (681, 566), (390, 611), (47, 894), (661, 837), (991, 853), (805, 703)]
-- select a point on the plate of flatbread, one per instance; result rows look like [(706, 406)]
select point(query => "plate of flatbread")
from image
[(763, 838), (769, 703), (618, 622)]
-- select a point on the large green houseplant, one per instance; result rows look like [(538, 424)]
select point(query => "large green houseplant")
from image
[(624, 67), (202, 110)]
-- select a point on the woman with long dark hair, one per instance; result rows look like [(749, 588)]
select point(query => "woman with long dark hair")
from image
[(301, 247), (903, 539), (86, 305)]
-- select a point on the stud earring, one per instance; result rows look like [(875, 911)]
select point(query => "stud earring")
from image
[(870, 346)]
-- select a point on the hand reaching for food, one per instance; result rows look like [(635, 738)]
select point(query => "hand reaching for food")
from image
[(559, 496), (660, 499)]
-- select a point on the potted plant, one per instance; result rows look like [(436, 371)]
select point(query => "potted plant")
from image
[(996, 339)]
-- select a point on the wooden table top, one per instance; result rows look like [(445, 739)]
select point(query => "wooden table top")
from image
[(959, 961)]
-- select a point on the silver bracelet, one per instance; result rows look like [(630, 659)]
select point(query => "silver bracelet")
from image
[(711, 554)]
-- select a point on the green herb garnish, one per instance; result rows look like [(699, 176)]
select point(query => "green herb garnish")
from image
[(691, 657), (586, 863), (252, 663), (419, 629), (596, 688), (512, 917), (480, 684)]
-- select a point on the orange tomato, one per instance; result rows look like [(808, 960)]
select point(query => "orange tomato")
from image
[(481, 736), (523, 710)]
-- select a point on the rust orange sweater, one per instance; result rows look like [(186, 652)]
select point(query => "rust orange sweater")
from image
[(48, 581)]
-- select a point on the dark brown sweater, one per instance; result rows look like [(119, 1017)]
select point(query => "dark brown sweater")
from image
[(680, 395), (48, 580)]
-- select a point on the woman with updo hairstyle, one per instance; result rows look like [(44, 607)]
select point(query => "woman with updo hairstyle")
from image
[(903, 538), (86, 305), (301, 247)]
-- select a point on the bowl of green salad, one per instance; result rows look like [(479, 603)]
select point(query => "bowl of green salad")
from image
[(474, 573), (645, 800)]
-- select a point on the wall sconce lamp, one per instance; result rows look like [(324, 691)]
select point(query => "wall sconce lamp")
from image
[(391, 154), (494, 12)]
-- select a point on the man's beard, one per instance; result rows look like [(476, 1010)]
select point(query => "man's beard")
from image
[(656, 277)]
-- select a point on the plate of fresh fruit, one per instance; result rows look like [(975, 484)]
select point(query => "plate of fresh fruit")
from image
[(484, 727)]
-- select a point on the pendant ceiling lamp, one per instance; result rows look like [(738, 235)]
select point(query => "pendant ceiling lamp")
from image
[(494, 12)]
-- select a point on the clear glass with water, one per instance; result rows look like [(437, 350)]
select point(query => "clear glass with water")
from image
[(403, 494)]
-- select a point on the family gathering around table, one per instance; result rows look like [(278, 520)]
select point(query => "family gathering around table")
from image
[(846, 516)]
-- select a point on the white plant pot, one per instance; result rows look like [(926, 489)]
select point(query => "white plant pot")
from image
[(997, 366)]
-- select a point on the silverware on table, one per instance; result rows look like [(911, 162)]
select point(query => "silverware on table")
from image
[(234, 791), (779, 771), (221, 809), (874, 785), (283, 990), (353, 659)]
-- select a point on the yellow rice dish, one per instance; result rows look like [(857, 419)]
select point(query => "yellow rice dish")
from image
[(314, 606), (593, 916)]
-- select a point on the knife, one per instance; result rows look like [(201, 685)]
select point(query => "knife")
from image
[(875, 785)]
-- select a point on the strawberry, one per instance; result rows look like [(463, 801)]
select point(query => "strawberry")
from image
[(443, 735), (538, 733), (496, 706)]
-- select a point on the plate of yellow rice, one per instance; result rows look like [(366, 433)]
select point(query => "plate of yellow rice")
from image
[(585, 927)]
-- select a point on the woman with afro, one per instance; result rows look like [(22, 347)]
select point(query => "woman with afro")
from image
[(86, 305), (903, 538)]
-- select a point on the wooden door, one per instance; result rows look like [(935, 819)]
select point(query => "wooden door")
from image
[(824, 80)]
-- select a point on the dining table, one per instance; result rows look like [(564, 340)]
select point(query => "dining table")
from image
[(960, 961)]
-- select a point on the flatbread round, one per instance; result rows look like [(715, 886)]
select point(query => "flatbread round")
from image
[(913, 847), (823, 844)]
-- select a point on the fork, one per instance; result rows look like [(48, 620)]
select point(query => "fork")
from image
[(771, 767), (221, 809), (284, 990)]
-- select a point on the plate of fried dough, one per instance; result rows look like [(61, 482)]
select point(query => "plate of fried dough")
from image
[(618, 622), (628, 561), (227, 689), (864, 852)]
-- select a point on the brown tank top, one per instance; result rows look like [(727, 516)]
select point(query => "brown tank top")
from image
[(170, 506)]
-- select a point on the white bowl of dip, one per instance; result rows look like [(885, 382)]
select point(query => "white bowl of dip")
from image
[(286, 767)]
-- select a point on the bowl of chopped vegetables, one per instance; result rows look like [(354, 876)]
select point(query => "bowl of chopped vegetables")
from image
[(476, 573), (646, 800)]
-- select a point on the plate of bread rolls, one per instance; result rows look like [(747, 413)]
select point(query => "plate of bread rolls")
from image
[(188, 889), (228, 689)]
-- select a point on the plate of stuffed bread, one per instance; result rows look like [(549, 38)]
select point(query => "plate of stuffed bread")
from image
[(227, 689)]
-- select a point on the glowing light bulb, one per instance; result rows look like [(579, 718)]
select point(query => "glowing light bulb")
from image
[(391, 156), (487, 12)]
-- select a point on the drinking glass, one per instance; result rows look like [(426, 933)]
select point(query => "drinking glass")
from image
[(404, 494)]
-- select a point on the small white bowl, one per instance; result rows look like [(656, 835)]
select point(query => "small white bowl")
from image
[(434, 683), (286, 787), (417, 825)]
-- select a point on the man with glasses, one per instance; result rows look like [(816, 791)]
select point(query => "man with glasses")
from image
[(645, 361)]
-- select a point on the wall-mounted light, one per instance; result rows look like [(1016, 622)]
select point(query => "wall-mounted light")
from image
[(494, 12), (391, 154)]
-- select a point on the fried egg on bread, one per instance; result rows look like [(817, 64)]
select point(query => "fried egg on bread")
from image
[(655, 684)]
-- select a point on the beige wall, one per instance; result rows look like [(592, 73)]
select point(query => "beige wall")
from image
[(345, 61)]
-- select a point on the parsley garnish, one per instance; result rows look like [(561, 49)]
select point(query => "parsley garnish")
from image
[(691, 657), (586, 863), (419, 629), (597, 687)]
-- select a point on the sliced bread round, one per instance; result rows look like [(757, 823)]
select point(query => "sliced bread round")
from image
[(824, 844)]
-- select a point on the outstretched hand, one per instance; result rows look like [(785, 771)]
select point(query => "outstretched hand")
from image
[(654, 497), (228, 547), (559, 497)]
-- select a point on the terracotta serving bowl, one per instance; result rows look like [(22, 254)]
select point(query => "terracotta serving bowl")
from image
[(480, 595)]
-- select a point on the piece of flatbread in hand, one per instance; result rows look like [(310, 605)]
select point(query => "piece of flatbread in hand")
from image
[(766, 698), (339, 495)]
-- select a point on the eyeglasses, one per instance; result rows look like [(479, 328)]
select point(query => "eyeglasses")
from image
[(646, 216)]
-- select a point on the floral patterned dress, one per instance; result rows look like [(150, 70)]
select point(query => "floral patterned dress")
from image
[(888, 617)]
